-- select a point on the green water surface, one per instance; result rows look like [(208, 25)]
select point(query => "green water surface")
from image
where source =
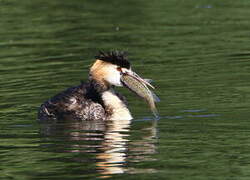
[(196, 51)]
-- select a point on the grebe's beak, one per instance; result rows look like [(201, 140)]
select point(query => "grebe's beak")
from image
[(136, 76)]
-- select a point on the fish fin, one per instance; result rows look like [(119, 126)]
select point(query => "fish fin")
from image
[(148, 80), (155, 97), (148, 84)]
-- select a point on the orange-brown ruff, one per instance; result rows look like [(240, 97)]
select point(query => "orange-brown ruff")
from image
[(94, 99)]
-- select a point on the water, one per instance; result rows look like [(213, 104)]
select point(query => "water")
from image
[(198, 54)]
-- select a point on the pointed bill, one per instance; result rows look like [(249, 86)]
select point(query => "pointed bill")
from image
[(136, 76)]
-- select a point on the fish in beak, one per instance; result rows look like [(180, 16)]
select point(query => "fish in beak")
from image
[(139, 86), (136, 76)]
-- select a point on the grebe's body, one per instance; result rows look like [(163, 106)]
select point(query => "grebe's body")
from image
[(88, 101), (96, 98)]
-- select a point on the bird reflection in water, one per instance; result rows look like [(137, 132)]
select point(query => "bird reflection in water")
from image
[(113, 157), (110, 142)]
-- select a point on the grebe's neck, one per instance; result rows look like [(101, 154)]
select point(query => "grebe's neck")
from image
[(98, 85), (115, 107)]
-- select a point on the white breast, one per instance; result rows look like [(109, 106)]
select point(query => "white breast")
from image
[(119, 109)]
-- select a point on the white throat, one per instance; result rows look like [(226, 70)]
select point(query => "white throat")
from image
[(116, 105)]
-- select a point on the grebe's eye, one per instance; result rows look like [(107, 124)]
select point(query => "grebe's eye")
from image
[(119, 69)]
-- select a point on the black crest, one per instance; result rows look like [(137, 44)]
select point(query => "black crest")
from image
[(115, 57)]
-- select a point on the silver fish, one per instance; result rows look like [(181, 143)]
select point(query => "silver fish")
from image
[(139, 87)]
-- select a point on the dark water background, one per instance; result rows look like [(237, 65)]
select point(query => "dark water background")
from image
[(197, 52)]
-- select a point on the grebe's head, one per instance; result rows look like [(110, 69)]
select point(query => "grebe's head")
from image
[(109, 67)]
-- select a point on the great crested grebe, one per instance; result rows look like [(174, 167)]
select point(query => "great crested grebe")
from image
[(95, 99)]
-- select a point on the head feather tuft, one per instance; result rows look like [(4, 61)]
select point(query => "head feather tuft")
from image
[(115, 57)]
